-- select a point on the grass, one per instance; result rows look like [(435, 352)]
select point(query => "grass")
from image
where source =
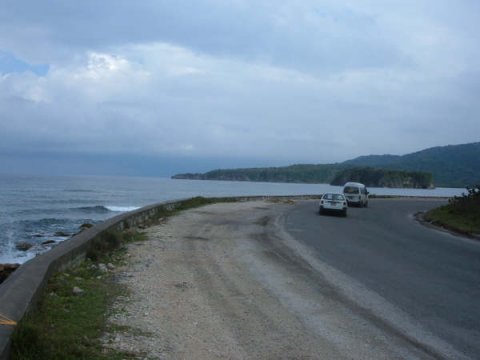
[(447, 217), (68, 326), (163, 212), (462, 214)]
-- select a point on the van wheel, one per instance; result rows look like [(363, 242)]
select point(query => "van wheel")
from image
[(366, 204), (360, 204), (344, 213)]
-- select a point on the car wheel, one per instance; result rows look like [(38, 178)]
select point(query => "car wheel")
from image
[(320, 211), (360, 204), (344, 213), (366, 204)]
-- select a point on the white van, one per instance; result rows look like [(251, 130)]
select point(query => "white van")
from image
[(356, 194)]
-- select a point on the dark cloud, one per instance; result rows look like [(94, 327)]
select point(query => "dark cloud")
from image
[(264, 81), (314, 37)]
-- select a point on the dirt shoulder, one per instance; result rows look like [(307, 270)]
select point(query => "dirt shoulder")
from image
[(224, 282)]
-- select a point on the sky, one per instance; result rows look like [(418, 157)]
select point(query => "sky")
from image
[(157, 87)]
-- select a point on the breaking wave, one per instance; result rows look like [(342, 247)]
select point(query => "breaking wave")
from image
[(93, 209), (107, 208), (122, 208)]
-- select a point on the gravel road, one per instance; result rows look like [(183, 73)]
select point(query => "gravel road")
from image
[(225, 281)]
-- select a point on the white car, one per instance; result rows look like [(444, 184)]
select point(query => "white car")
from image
[(332, 202)]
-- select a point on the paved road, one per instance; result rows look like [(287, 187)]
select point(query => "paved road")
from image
[(430, 275)]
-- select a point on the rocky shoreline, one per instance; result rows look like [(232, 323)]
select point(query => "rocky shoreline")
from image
[(6, 270)]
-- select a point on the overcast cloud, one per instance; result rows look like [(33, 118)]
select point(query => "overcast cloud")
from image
[(262, 82)]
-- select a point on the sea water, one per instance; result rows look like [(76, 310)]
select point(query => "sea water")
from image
[(36, 209)]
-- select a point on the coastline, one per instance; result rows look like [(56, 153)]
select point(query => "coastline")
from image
[(15, 299), (12, 264), (40, 216)]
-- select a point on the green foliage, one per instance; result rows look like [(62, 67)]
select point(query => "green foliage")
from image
[(68, 326), (384, 178), (165, 211), (462, 214), (336, 174), (104, 243), (310, 174), (450, 166), (467, 203)]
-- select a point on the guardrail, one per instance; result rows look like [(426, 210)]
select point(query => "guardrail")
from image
[(23, 288)]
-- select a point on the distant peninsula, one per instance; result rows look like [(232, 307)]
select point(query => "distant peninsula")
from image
[(446, 166), (315, 174)]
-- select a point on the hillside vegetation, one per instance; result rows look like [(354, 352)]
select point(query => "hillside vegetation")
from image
[(446, 166), (450, 166), (384, 178), (310, 174), (318, 174)]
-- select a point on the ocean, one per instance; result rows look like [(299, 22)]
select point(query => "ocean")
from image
[(36, 210)]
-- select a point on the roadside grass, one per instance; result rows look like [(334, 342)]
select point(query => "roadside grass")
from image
[(69, 326), (65, 325), (164, 212), (461, 214), (445, 216)]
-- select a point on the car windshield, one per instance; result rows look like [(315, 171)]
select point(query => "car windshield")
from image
[(350, 190), (333, 197)]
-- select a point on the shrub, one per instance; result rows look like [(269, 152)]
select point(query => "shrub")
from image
[(461, 214), (467, 203), (105, 243)]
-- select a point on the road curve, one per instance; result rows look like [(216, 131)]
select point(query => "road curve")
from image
[(430, 277), (274, 280)]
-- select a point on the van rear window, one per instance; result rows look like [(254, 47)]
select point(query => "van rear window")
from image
[(351, 190)]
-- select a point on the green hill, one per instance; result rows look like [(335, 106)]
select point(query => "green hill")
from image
[(310, 174), (446, 166), (374, 177), (450, 166)]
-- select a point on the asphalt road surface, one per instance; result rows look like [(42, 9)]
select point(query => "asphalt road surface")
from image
[(428, 275)]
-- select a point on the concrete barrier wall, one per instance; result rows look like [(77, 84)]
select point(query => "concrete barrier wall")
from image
[(23, 288)]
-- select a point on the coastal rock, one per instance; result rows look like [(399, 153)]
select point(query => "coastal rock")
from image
[(6, 270), (48, 242), (62, 234), (110, 266), (85, 226), (23, 246)]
